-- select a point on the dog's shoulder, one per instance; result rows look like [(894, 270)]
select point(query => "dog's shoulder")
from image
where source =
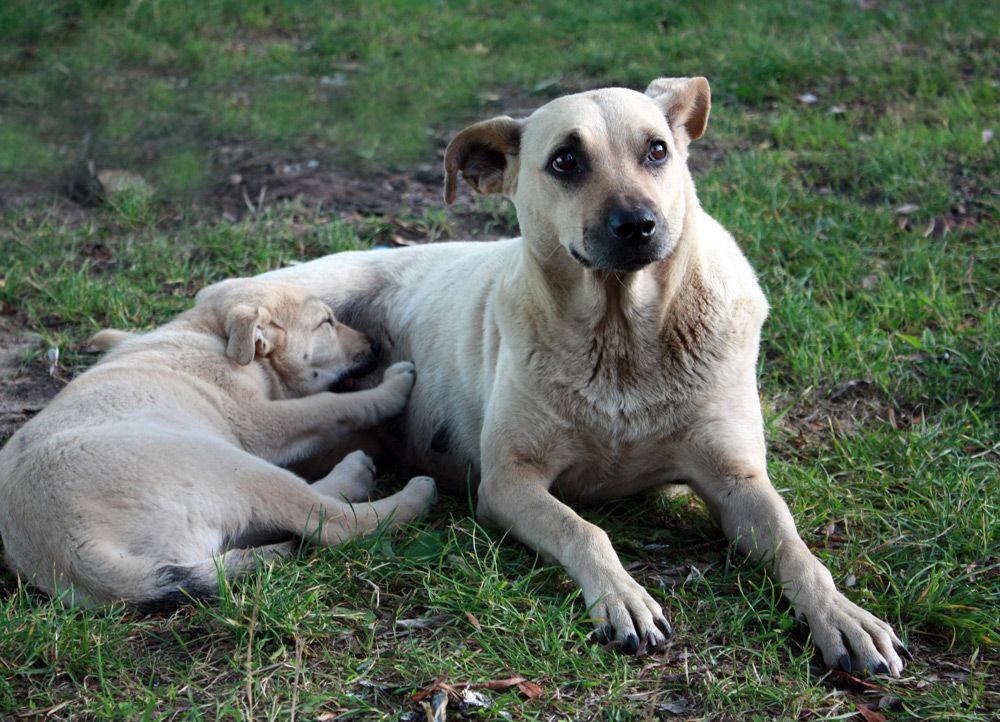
[(728, 281)]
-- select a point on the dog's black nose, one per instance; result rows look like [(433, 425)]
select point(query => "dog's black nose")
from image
[(635, 226)]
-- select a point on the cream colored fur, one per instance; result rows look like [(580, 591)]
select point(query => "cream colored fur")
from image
[(610, 350), (161, 465)]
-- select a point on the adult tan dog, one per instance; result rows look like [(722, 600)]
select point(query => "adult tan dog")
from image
[(160, 464), (610, 350)]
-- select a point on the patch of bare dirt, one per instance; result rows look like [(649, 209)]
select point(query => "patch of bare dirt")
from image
[(25, 385), (850, 408)]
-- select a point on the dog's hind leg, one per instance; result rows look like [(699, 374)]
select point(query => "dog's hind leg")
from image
[(177, 584), (298, 510), (332, 521), (279, 501)]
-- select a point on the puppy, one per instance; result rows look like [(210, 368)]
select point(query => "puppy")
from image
[(610, 350), (161, 465)]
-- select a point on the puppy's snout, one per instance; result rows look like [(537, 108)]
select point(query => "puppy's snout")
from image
[(633, 226)]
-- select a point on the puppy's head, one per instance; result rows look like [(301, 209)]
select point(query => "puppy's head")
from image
[(602, 173), (294, 333)]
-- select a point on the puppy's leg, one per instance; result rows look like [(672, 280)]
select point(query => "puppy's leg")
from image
[(352, 480), (288, 430), (514, 496), (727, 470)]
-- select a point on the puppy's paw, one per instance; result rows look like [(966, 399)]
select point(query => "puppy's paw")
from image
[(630, 620), (402, 373), (397, 383), (352, 480), (851, 639), (419, 494)]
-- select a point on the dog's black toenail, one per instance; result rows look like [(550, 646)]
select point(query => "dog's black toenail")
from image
[(845, 662), (880, 668), (631, 644)]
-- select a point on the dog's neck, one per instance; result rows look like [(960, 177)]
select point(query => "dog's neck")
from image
[(599, 332)]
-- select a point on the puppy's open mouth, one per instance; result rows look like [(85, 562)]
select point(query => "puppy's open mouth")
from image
[(353, 377)]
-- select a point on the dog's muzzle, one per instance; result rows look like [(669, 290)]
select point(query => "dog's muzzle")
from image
[(630, 239)]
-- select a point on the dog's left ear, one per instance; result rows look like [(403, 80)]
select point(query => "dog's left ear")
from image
[(685, 102), (249, 331), (480, 152)]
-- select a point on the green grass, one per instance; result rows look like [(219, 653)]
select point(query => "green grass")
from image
[(871, 216)]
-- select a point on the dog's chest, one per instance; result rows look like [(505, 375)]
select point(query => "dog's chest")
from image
[(626, 379)]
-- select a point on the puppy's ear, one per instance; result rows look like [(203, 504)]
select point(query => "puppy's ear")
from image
[(246, 331), (480, 152), (685, 102)]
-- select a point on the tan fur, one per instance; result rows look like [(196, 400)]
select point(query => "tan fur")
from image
[(610, 350), (161, 465)]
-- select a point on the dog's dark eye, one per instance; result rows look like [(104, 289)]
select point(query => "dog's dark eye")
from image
[(657, 151), (564, 161)]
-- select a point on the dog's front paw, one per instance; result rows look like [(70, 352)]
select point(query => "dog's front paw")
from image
[(851, 639), (631, 620)]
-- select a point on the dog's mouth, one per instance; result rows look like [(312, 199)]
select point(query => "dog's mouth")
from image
[(350, 379), (623, 266)]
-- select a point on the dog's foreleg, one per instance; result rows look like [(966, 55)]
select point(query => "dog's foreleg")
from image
[(727, 470), (514, 496)]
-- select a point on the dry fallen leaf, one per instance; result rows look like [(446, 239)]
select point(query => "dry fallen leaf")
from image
[(869, 715), (530, 689)]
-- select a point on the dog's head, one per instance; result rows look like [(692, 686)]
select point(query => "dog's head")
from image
[(294, 333), (602, 172)]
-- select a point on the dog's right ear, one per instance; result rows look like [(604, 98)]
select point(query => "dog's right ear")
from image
[(480, 153), (245, 331)]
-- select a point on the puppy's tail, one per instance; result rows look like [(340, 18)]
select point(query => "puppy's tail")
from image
[(109, 338), (178, 584)]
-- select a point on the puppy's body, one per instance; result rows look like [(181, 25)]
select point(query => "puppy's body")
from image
[(611, 349), (161, 462)]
